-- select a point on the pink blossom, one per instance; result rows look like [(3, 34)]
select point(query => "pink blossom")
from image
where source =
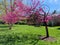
[(10, 18)]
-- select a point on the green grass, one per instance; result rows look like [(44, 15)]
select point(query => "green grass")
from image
[(27, 35)]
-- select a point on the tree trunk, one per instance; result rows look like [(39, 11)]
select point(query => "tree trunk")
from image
[(10, 26), (46, 27)]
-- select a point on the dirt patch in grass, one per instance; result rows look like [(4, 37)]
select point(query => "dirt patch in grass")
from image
[(51, 39)]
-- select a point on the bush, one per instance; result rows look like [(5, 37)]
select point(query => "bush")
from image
[(1, 22), (21, 22)]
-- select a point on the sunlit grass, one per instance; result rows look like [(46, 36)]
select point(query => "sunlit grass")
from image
[(29, 34)]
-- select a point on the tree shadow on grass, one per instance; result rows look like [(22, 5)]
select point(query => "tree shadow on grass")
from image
[(35, 25), (3, 26), (4, 29), (58, 28), (33, 39), (20, 38), (6, 26)]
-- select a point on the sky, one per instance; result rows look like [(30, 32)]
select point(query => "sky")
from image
[(53, 4)]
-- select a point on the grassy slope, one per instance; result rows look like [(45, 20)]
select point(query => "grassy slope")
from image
[(31, 31)]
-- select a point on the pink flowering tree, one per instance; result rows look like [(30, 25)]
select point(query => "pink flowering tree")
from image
[(33, 11), (10, 17), (36, 8), (46, 19), (40, 14)]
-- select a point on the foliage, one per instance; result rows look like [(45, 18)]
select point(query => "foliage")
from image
[(18, 10), (55, 20), (10, 18)]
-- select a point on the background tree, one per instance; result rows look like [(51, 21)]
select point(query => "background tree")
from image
[(10, 17)]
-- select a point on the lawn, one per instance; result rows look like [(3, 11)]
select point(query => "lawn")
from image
[(27, 35)]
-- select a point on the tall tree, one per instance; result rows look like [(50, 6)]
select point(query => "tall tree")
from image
[(35, 8)]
